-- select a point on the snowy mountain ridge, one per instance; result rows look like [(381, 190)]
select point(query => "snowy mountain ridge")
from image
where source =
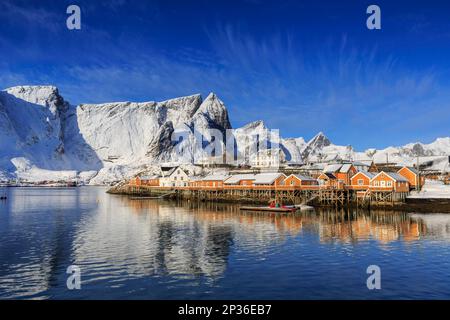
[(44, 137)]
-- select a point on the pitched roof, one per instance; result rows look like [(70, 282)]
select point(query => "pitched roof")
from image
[(413, 170), (267, 178), (168, 172), (362, 163), (303, 178), (215, 177), (149, 177), (332, 168), (369, 175), (234, 179), (345, 168), (314, 166), (395, 176), (329, 175)]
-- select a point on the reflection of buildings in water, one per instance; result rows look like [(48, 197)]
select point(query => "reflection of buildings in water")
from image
[(382, 226), (413, 231), (192, 239), (256, 224), (437, 225), (211, 212), (331, 225), (207, 232)]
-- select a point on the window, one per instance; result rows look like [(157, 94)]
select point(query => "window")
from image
[(181, 178), (375, 183), (383, 183), (292, 182), (389, 183), (175, 178), (360, 182)]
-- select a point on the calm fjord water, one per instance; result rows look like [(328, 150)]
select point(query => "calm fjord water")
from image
[(168, 250)]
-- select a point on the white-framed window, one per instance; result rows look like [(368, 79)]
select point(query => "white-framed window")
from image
[(292, 182), (382, 183), (375, 183), (360, 182), (389, 183)]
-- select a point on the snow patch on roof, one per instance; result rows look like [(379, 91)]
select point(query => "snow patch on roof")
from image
[(215, 177), (267, 178), (235, 179), (303, 177)]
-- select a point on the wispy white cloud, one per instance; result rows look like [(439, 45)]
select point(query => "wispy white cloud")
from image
[(336, 85), (35, 17)]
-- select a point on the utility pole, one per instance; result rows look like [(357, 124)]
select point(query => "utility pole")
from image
[(418, 175)]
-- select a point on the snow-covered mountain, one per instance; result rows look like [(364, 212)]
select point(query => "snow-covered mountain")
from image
[(43, 137), (434, 156)]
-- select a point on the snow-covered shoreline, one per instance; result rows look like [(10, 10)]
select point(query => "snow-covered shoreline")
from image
[(432, 190)]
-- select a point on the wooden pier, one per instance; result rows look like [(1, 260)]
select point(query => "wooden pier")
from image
[(315, 195)]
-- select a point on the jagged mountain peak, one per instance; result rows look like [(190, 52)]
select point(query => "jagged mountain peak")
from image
[(47, 96), (212, 111), (259, 124), (211, 95), (320, 140), (42, 137), (212, 98), (48, 88), (315, 145), (34, 94), (182, 102)]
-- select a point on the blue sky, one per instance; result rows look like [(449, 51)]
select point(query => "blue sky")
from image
[(301, 66)]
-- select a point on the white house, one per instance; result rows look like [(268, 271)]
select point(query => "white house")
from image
[(268, 158), (174, 177)]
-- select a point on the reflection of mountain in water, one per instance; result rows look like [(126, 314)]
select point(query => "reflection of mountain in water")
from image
[(115, 240), (36, 235), (158, 239), (190, 239)]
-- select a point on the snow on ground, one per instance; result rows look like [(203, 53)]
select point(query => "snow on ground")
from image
[(432, 190)]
